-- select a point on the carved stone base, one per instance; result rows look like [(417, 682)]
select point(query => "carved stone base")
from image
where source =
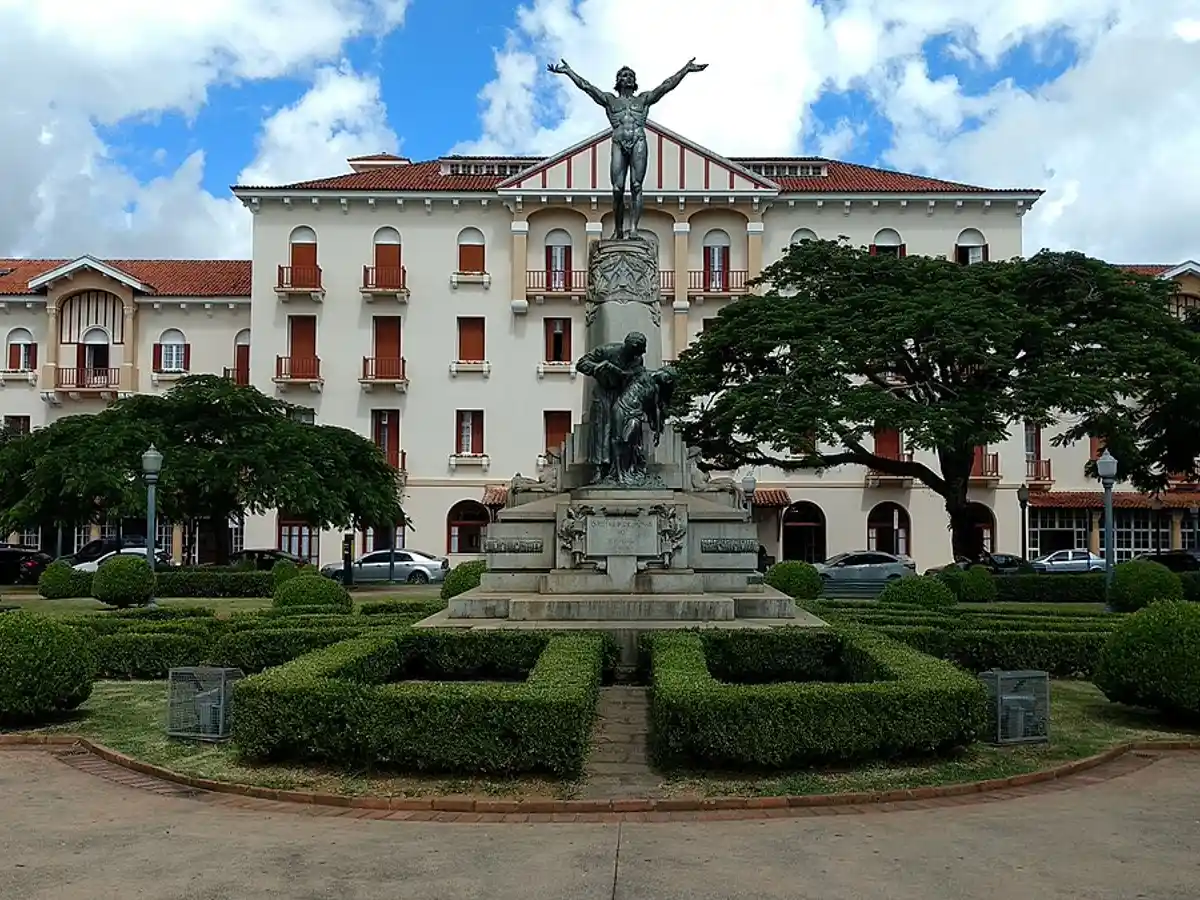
[(624, 295)]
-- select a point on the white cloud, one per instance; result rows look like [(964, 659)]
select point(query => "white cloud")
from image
[(79, 65), (1113, 140)]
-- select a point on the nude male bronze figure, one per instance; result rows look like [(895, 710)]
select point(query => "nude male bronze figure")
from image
[(627, 113)]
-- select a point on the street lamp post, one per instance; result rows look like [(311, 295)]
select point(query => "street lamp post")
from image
[(152, 462), (1106, 468), (1023, 499)]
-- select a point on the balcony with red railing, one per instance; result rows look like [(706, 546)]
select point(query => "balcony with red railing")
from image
[(986, 468), (717, 282), (384, 282), (304, 370), (383, 370), (556, 282), (299, 281), (1038, 473), (239, 377), (878, 478), (85, 378)]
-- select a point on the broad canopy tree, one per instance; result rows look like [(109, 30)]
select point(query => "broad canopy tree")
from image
[(840, 343), (228, 450)]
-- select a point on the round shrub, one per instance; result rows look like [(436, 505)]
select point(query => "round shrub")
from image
[(978, 586), (124, 580), (952, 577), (799, 580), (57, 581), (463, 577), (312, 590), (45, 668), (917, 590), (1139, 582), (1153, 659), (283, 570)]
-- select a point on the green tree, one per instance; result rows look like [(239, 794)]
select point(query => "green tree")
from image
[(228, 450), (840, 342)]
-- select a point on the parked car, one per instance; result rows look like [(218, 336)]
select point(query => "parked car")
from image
[(22, 565), (865, 565), (412, 567), (996, 563), (262, 560), (93, 550), (162, 557), (1062, 562), (1175, 560)]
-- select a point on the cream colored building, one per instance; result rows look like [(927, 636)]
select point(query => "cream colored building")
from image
[(437, 308)]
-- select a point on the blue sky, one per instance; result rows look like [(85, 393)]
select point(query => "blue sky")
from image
[(433, 68)]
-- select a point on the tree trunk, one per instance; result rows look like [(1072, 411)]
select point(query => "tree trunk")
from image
[(962, 528)]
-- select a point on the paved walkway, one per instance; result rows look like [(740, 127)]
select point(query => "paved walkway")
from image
[(69, 835), (618, 765)]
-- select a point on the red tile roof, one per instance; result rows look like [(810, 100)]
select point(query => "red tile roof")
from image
[(377, 157), (843, 178), (1147, 269), (495, 495), (168, 277), (773, 498), (1121, 500)]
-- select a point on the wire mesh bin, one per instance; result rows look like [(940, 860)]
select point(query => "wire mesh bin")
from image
[(1020, 704), (199, 702)]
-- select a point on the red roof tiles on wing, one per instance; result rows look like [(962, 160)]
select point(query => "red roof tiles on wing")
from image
[(1147, 269), (168, 277), (772, 498), (495, 495), (1121, 500)]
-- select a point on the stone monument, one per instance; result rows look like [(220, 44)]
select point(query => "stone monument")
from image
[(623, 533)]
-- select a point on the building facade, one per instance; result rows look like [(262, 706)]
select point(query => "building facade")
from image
[(437, 307)]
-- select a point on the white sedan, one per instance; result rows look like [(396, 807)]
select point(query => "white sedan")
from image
[(93, 565)]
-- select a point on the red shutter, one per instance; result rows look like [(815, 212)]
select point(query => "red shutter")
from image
[(458, 419), (548, 334), (14, 357), (986, 257), (566, 339), (387, 337), (187, 357), (887, 443), (470, 258), (549, 265), (471, 347), (977, 461), (387, 265), (33, 357), (874, 250), (1095, 449), (304, 266), (557, 427), (81, 356), (903, 251), (303, 337), (567, 266), (241, 360), (724, 253), (158, 357), (477, 431)]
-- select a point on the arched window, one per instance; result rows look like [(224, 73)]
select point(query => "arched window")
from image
[(716, 260), (970, 248), (241, 357), (471, 259), (804, 532), (800, 235), (172, 353), (888, 529), (22, 351), (558, 260), (466, 522), (983, 529), (93, 359), (887, 243), (389, 273), (305, 273)]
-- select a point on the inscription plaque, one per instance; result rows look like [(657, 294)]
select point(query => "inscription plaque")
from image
[(623, 536), (728, 545), (513, 545)]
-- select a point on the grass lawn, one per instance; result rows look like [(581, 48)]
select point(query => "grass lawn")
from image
[(223, 605), (1082, 723), (127, 716)]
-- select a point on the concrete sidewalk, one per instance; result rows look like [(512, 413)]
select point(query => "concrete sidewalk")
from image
[(66, 835)]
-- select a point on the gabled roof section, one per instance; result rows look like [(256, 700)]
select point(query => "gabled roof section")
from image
[(160, 277), (674, 164), (67, 269), (838, 177), (1187, 267)]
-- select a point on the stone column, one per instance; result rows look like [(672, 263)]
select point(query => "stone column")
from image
[(679, 308), (129, 359), (1094, 521), (754, 248), (177, 542), (520, 265), (50, 365), (1177, 529), (623, 296)]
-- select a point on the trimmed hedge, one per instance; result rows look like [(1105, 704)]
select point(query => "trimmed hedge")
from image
[(419, 608), (1153, 660), (929, 592), (123, 581), (895, 702), (1081, 588), (799, 580), (45, 668), (147, 655), (253, 651), (312, 590), (283, 570), (64, 583), (337, 705), (1140, 582), (59, 581), (463, 577), (1064, 654)]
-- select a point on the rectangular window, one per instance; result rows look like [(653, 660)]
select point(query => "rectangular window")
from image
[(470, 259), (468, 432), (471, 339), (558, 340), (556, 427), (300, 539), (716, 268), (305, 414), (1033, 442), (558, 267), (969, 256), (172, 358), (164, 536), (22, 357), (387, 337), (17, 424), (887, 443), (385, 432)]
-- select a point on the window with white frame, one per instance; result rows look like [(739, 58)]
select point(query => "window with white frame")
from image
[(31, 538), (300, 539), (1134, 532), (164, 536), (1057, 529), (22, 351), (174, 351)]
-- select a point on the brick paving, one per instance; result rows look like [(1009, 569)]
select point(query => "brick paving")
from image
[(618, 765)]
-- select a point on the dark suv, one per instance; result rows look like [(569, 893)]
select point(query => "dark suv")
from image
[(93, 550), (1176, 560), (21, 565)]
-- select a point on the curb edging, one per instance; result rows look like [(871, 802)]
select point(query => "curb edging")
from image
[(468, 804)]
